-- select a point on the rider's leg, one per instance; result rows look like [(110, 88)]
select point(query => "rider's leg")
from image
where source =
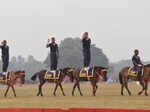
[(139, 74), (88, 58)]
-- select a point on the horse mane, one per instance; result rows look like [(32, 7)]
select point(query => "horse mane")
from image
[(100, 67), (42, 71), (65, 69), (18, 71)]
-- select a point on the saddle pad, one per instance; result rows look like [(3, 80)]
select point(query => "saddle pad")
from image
[(133, 72), (52, 75), (5, 77), (86, 73)]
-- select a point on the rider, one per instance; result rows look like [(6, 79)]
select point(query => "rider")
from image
[(54, 53), (5, 55), (137, 64), (86, 43)]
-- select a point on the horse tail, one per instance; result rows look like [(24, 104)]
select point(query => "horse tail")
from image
[(34, 77), (120, 78)]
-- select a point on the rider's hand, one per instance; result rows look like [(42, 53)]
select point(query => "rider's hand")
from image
[(139, 65), (80, 40), (48, 40)]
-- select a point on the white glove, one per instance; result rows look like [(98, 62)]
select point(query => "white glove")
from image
[(139, 65)]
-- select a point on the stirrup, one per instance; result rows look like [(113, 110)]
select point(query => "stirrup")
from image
[(86, 68), (138, 82), (4, 73)]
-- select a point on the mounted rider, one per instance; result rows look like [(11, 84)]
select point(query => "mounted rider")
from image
[(5, 55), (86, 43), (137, 64), (54, 53)]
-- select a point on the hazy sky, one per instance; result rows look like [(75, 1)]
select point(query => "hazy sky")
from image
[(116, 26)]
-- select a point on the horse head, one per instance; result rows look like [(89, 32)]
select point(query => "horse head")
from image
[(102, 71), (20, 75), (69, 72)]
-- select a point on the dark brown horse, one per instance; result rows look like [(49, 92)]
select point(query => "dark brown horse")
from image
[(124, 77), (13, 79), (41, 75), (98, 72)]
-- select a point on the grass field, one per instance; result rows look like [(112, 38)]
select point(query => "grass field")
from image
[(108, 96)]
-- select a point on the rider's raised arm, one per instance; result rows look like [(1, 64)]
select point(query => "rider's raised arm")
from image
[(90, 41), (1, 46), (57, 50), (47, 45)]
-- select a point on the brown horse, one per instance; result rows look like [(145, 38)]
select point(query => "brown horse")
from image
[(98, 72), (13, 79), (124, 77), (41, 75)]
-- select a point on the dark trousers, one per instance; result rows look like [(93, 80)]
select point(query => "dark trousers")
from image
[(87, 57), (5, 62), (139, 70), (53, 61)]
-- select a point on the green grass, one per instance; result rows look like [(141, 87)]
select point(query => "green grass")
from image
[(108, 96)]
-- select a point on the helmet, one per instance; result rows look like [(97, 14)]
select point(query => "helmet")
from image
[(53, 38), (85, 34), (136, 51), (4, 42)]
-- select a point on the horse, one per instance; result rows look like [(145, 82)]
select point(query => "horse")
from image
[(124, 77), (41, 75), (97, 73), (12, 81)]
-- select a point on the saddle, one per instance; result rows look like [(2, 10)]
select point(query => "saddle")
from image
[(87, 73), (132, 72), (5, 77), (55, 74)]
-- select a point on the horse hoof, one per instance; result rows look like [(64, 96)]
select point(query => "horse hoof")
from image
[(139, 93), (54, 94), (81, 94), (64, 95), (146, 94)]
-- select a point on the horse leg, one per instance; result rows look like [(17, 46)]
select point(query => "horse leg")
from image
[(126, 86), (13, 90), (94, 88), (62, 89), (40, 89), (122, 88), (146, 87), (78, 85), (7, 91), (75, 85), (143, 88), (54, 93)]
